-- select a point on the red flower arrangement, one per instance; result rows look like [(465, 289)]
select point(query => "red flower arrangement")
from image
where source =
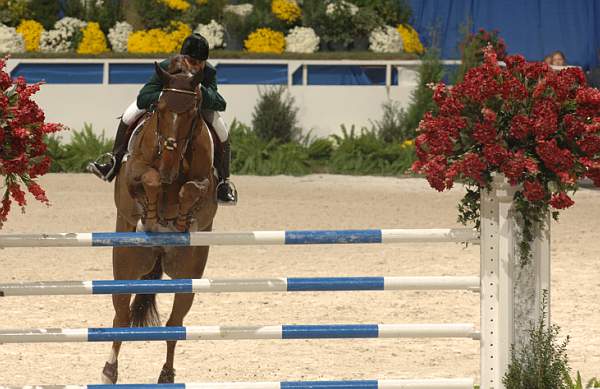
[(23, 154), (537, 126)]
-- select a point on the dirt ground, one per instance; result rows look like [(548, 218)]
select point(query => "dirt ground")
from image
[(81, 203)]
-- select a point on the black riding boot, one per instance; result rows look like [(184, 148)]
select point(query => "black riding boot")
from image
[(108, 170), (226, 192)]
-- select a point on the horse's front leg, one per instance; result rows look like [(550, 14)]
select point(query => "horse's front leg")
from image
[(181, 306), (110, 373), (190, 194), (151, 184)]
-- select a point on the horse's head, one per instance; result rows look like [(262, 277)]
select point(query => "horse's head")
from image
[(177, 115)]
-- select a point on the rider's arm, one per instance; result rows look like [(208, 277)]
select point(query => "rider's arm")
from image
[(150, 92), (211, 98)]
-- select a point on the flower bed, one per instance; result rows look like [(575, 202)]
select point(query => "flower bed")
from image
[(309, 25)]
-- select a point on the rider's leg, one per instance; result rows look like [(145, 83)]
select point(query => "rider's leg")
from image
[(107, 171), (226, 192)]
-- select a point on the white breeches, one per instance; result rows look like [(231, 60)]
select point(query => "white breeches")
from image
[(132, 113)]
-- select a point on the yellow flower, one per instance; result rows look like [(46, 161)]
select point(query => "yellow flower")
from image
[(286, 10), (157, 40), (31, 31), (93, 41), (265, 40), (407, 143), (410, 39), (179, 5)]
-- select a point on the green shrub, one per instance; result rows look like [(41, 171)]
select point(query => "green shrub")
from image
[(542, 363), (252, 155), (391, 126), (204, 13), (44, 12), (11, 12), (275, 116), (421, 98), (367, 153), (84, 147)]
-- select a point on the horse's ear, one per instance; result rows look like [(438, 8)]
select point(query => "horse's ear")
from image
[(198, 77), (162, 74)]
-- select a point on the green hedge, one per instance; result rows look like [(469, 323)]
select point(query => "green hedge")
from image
[(354, 152)]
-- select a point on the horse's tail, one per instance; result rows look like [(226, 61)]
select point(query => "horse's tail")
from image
[(143, 308)]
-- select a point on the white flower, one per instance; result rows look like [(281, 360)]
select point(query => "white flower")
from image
[(242, 10), (341, 6), (10, 40), (302, 40), (385, 40), (60, 39), (119, 35), (213, 32)]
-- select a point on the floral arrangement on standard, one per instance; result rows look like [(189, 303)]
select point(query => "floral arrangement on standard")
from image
[(385, 40), (10, 40), (157, 40), (410, 39), (538, 127), (63, 37), (340, 6), (178, 5), (213, 32), (286, 10), (241, 10), (93, 41), (31, 32), (265, 40), (119, 35), (302, 40), (23, 153)]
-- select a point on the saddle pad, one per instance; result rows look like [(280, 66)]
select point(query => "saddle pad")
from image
[(135, 133)]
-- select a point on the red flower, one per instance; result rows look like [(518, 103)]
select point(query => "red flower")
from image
[(561, 201), (485, 133), (534, 190), (521, 127), (473, 167), (23, 153), (495, 154)]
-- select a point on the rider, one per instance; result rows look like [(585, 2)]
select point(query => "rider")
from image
[(196, 48)]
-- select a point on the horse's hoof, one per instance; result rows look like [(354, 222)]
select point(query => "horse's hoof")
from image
[(167, 375), (110, 373)]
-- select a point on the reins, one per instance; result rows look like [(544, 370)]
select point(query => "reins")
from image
[(171, 143)]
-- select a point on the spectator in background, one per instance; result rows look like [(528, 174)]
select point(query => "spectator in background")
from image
[(558, 58), (548, 59)]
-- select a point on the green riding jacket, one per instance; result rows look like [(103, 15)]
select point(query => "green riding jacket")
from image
[(211, 99)]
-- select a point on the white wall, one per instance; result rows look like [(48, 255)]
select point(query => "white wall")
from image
[(322, 109)]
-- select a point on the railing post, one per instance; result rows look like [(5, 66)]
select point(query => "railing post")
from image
[(510, 292)]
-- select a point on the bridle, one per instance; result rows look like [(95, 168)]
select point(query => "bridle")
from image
[(171, 143)]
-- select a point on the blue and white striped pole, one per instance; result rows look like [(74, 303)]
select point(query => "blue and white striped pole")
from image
[(318, 331), (143, 239), (296, 284), (440, 383)]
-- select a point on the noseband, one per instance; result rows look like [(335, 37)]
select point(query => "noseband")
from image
[(170, 143)]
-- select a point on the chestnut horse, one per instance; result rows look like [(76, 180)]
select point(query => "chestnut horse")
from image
[(166, 184)]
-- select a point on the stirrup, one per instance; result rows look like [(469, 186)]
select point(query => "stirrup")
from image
[(233, 191), (101, 160)]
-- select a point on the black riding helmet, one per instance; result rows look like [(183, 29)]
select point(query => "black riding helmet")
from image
[(196, 46)]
